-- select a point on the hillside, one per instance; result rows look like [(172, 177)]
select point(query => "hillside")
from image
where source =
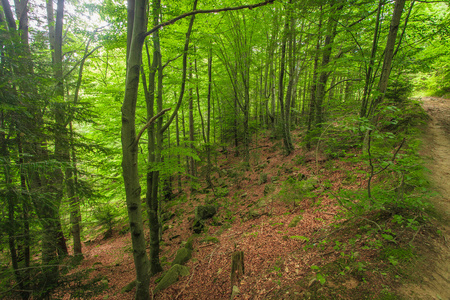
[(283, 212)]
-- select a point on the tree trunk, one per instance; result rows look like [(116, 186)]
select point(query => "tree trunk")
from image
[(324, 74), (208, 123), (313, 88), (285, 107), (388, 55), (369, 71), (130, 149)]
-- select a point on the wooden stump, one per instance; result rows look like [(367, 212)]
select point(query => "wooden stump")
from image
[(237, 267)]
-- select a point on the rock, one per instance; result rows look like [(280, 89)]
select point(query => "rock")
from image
[(295, 221), (235, 292), (210, 239), (198, 226), (202, 213), (188, 243), (254, 214), (205, 212), (128, 287), (171, 277), (261, 203), (269, 188), (183, 255)]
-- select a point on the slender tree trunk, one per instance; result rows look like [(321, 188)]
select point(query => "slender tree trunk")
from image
[(208, 122), (74, 200), (285, 107), (154, 144), (313, 89), (191, 130), (369, 70), (130, 149), (177, 128), (324, 74), (388, 55)]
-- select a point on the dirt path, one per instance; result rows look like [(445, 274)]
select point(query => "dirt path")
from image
[(434, 275)]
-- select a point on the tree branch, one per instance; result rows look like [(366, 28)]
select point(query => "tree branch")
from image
[(152, 120), (206, 11), (331, 87)]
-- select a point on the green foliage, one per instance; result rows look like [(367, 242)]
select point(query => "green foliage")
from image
[(399, 90), (170, 165), (262, 178), (299, 237), (319, 276), (293, 191), (107, 216), (81, 285), (221, 192)]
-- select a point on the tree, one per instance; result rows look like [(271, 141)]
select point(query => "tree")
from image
[(137, 27)]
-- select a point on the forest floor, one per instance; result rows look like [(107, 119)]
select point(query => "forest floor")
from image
[(304, 247), (432, 274)]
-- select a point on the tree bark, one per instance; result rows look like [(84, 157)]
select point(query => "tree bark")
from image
[(324, 74), (130, 150), (369, 71), (388, 55)]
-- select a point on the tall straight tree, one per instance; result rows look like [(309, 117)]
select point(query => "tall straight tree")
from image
[(336, 7), (137, 27), (388, 55), (285, 103)]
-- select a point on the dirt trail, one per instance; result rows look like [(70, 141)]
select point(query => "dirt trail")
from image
[(435, 272)]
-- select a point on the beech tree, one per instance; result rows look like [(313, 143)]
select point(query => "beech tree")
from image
[(137, 27)]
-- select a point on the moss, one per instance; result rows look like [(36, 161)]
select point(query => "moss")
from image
[(183, 255), (210, 239), (189, 243), (295, 221), (128, 287), (171, 277)]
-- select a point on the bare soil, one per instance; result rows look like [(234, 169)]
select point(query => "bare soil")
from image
[(432, 276)]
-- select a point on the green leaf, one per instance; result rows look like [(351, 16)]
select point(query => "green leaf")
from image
[(321, 278), (388, 237)]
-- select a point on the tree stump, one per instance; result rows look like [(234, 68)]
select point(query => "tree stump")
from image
[(237, 267)]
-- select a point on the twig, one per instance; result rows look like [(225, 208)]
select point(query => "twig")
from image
[(193, 271), (211, 255), (414, 236), (350, 210)]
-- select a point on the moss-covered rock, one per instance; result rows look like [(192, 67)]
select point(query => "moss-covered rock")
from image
[(129, 287), (295, 221), (198, 225), (183, 255), (210, 239), (189, 243), (171, 277), (203, 212)]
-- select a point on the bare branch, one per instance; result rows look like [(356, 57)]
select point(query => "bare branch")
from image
[(206, 11)]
